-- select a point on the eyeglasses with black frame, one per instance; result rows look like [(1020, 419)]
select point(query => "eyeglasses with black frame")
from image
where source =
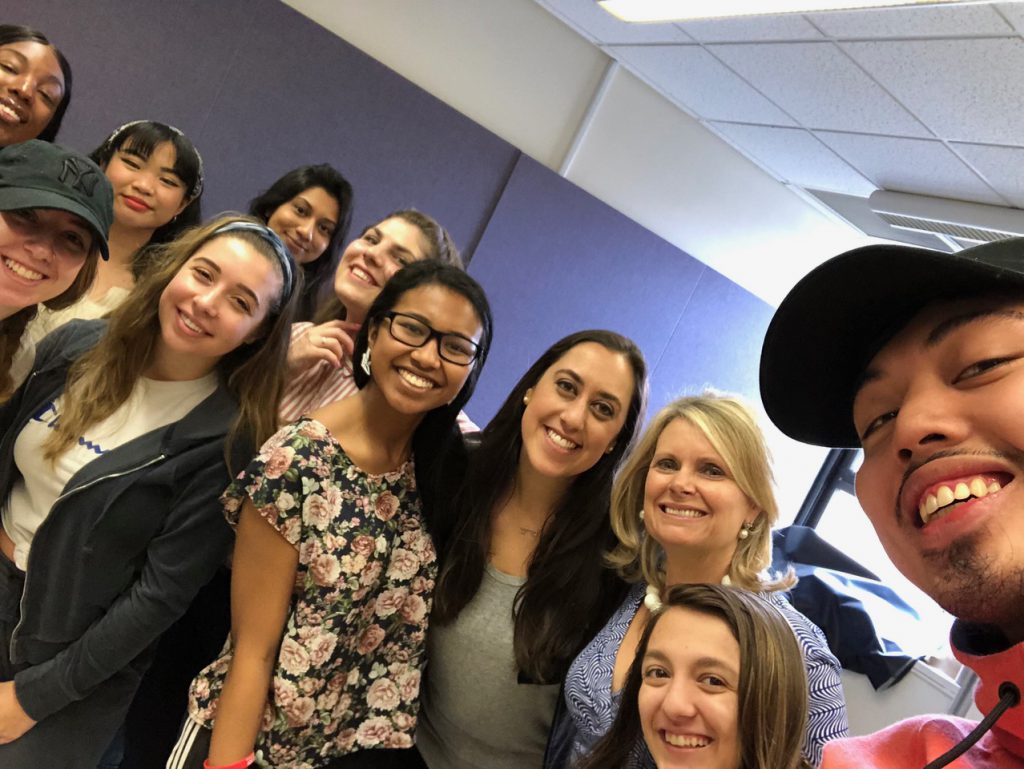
[(410, 330)]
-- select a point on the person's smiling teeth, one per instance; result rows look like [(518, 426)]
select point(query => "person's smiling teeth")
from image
[(363, 275), (22, 271), (938, 503), (190, 325), (687, 740), (682, 512), (561, 440), (420, 383), (8, 113)]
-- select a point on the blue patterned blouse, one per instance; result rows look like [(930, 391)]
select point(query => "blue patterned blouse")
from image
[(592, 705)]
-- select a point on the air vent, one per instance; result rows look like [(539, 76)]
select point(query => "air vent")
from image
[(958, 231), (955, 220)]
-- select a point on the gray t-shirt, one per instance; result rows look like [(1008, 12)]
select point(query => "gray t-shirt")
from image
[(474, 714)]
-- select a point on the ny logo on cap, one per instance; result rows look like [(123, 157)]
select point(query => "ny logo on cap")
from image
[(79, 176)]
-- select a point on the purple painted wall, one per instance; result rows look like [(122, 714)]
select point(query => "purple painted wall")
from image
[(555, 260), (262, 89)]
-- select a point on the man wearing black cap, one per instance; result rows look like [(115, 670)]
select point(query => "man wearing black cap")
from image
[(918, 358)]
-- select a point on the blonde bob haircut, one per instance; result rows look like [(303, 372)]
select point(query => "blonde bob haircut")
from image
[(732, 431)]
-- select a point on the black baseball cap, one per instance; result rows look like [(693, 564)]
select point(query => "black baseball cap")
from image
[(38, 174), (834, 321)]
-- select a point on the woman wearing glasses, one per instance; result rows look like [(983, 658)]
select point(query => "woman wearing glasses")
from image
[(334, 562), (320, 369)]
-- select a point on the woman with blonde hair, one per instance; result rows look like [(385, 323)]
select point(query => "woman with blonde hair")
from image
[(113, 454), (694, 504), (710, 660)]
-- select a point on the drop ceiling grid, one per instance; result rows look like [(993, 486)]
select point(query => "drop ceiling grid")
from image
[(879, 74), (918, 166)]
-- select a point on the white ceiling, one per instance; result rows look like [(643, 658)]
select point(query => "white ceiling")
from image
[(927, 101)]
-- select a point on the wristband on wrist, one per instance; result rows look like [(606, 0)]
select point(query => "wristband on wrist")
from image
[(249, 760)]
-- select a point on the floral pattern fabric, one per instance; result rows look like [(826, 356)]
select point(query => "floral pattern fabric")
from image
[(348, 671)]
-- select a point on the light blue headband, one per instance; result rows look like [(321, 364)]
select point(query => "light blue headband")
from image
[(284, 257)]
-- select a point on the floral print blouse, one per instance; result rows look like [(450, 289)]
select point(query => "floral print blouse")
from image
[(348, 670)]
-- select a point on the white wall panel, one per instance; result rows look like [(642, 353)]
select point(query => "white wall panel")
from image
[(508, 64), (669, 173)]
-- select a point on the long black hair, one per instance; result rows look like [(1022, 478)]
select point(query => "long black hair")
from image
[(295, 182), (141, 137), (568, 594), (437, 444), (13, 33)]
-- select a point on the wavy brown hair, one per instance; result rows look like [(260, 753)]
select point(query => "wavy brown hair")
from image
[(441, 248), (772, 691), (101, 380)]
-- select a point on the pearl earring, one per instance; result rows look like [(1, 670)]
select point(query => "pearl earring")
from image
[(641, 513), (745, 531)]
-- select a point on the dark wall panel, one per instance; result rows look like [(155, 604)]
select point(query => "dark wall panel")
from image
[(262, 89), (716, 343), (554, 260)]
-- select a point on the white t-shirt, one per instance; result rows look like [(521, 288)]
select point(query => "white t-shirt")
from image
[(152, 404)]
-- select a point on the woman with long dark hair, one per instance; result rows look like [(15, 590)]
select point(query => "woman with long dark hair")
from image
[(157, 177), (522, 586), (310, 207), (717, 680), (334, 563), (114, 451), (35, 86)]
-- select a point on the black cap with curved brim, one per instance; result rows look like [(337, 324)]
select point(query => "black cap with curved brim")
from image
[(834, 321), (37, 174)]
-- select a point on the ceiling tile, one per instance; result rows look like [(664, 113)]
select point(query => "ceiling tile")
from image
[(1014, 12), (819, 86), (918, 166), (763, 28), (589, 19), (954, 20), (1003, 167), (697, 81), (965, 90), (796, 156)]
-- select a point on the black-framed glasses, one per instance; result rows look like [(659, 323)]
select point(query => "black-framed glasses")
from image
[(410, 330)]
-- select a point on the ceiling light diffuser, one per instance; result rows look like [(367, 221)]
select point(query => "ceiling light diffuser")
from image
[(691, 10)]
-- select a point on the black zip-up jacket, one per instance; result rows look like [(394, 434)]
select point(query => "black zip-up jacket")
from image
[(126, 546)]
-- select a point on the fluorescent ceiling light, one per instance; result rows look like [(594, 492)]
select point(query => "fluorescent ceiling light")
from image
[(689, 10)]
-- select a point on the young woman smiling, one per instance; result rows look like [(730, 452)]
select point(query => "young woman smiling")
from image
[(53, 230), (334, 563), (522, 586), (717, 682), (157, 177), (311, 209), (35, 86), (319, 360), (112, 455), (694, 504)]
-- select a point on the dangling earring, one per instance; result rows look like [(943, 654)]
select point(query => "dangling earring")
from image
[(364, 364), (641, 514), (745, 530)]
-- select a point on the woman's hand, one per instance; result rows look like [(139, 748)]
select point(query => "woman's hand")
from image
[(14, 721), (331, 341)]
